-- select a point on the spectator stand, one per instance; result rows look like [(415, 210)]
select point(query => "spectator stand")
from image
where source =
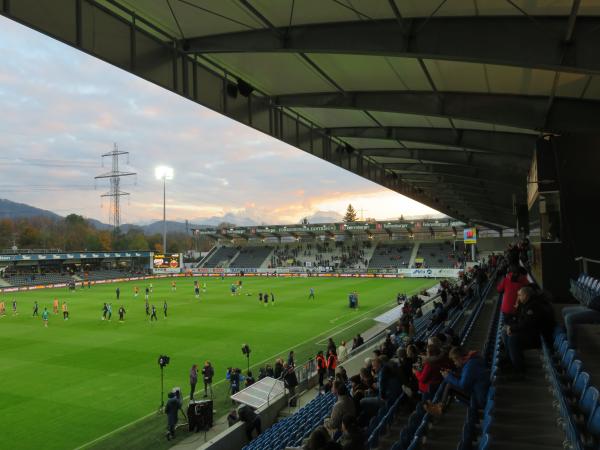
[(419, 432)]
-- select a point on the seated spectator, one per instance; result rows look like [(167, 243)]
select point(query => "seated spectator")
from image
[(319, 439), (472, 385), (429, 375), (343, 406), (580, 315), (534, 318), (352, 436)]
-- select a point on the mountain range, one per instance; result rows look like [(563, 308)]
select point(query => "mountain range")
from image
[(13, 210)]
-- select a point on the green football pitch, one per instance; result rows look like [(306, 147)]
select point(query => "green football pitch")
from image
[(89, 383)]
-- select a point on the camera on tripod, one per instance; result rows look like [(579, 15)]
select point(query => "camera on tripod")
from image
[(246, 349), (163, 360)]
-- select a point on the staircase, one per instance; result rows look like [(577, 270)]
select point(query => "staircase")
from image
[(413, 255), (525, 417)]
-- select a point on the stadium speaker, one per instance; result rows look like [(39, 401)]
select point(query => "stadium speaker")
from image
[(200, 415), (244, 88), (232, 90)]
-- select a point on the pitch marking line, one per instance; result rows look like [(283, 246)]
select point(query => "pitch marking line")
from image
[(127, 425)]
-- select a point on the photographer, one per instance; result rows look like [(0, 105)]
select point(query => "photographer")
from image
[(208, 372)]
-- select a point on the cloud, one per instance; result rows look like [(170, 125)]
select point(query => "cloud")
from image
[(62, 109)]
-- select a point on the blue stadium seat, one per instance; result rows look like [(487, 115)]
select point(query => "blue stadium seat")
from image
[(593, 425), (589, 400), (568, 358), (581, 383), (574, 370), (485, 442), (397, 446)]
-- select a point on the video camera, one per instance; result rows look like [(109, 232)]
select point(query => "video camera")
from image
[(163, 360)]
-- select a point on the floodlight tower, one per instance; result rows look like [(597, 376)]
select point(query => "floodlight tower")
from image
[(115, 192), (164, 173)]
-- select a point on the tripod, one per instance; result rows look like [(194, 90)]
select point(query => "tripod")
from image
[(161, 408), (248, 361)]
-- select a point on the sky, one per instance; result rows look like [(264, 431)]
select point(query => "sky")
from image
[(61, 109)]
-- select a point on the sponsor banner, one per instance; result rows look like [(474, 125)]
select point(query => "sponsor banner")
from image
[(166, 263), (429, 273), (72, 256), (470, 235), (329, 228)]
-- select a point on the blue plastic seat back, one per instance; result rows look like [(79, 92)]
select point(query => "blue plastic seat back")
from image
[(593, 426), (581, 383), (589, 400), (568, 358), (397, 446), (574, 369), (558, 340), (485, 442), (415, 444), (405, 437), (563, 349)]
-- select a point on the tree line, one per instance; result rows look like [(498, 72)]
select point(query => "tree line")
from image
[(75, 233)]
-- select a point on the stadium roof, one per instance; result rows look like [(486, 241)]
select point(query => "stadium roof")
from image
[(439, 100)]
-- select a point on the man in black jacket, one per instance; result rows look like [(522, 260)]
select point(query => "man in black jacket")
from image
[(534, 319), (250, 419), (208, 372)]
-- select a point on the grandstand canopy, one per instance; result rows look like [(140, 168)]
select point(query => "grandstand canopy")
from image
[(441, 101)]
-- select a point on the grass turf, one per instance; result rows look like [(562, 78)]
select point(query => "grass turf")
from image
[(82, 382)]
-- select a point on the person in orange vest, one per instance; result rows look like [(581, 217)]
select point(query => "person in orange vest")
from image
[(55, 306), (331, 363), (2, 308), (321, 367)]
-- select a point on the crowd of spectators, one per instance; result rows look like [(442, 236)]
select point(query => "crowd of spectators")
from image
[(337, 255)]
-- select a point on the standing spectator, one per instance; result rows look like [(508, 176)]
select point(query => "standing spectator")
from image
[(278, 368), (509, 287), (290, 360), (193, 380), (208, 372), (331, 346), (321, 367), (290, 381), (171, 409), (251, 419), (342, 352), (331, 363)]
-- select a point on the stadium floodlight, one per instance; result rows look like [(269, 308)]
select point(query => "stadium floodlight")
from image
[(164, 173)]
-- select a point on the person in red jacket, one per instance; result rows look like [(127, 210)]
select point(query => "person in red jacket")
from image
[(514, 280), (430, 376), (331, 363), (321, 367)]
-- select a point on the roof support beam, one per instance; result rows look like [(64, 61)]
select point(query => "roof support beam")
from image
[(496, 142), (474, 39), (455, 157), (521, 111)]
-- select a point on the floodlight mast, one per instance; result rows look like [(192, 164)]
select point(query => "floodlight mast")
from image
[(164, 173)]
